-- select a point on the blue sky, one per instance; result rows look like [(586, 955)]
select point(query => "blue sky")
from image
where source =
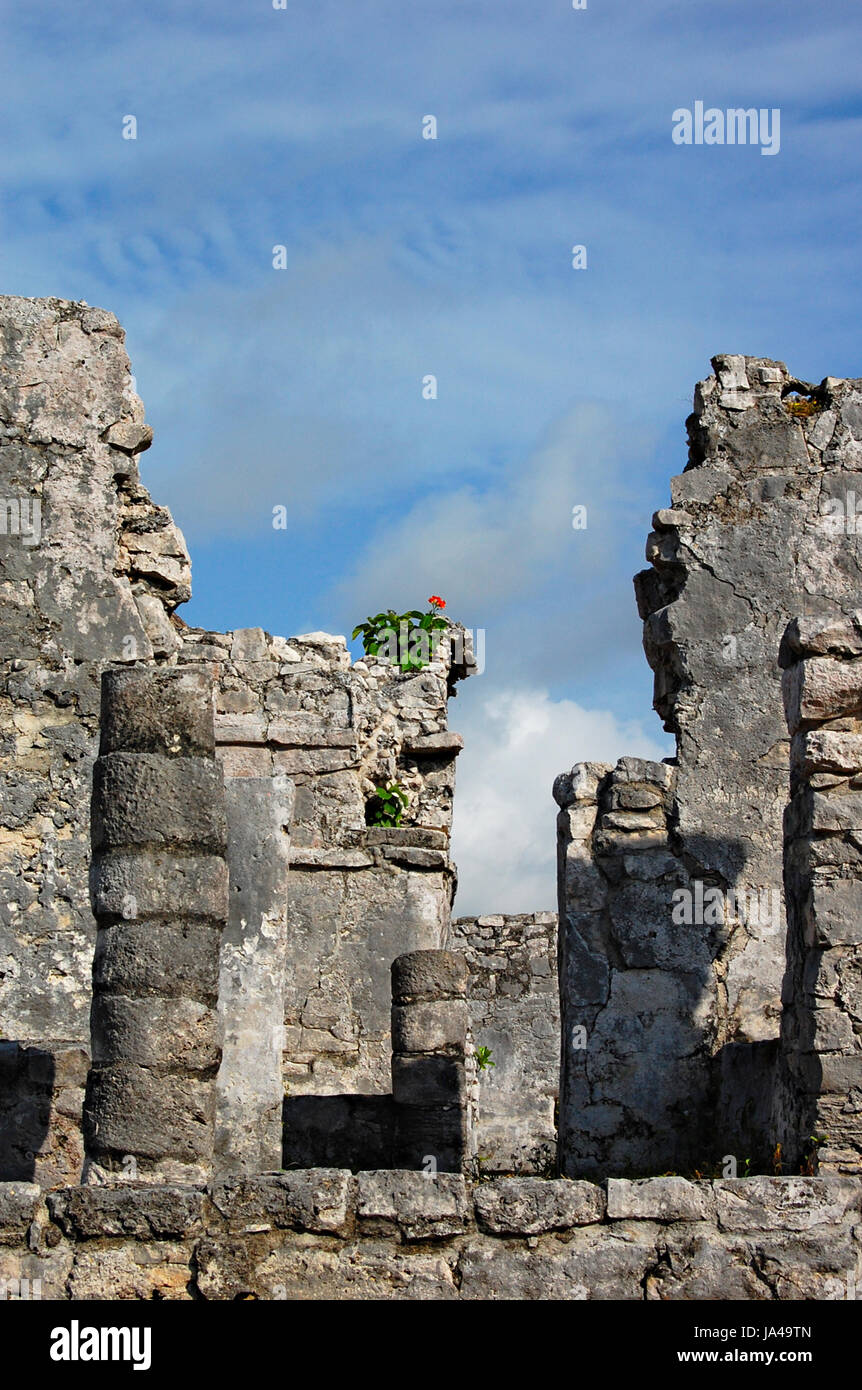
[(303, 127)]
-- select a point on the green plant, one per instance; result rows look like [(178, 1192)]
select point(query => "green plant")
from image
[(483, 1058), (810, 1156), (407, 640), (388, 805)]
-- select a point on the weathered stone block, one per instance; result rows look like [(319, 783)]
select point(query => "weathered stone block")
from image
[(130, 1272), (168, 711), (154, 1032), (369, 1270), (428, 975), (831, 912), (660, 1199), (422, 1206), (430, 1138), (819, 688), (430, 1027), (156, 883), (791, 1204), (592, 1265), (240, 728), (148, 799), (132, 1110), (581, 784), (824, 750), (529, 1206), (811, 635), (19, 1205), (632, 796), (166, 958), (313, 1199), (428, 1080), (130, 436), (129, 1209)]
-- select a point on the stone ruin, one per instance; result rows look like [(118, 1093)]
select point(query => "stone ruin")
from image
[(240, 1029)]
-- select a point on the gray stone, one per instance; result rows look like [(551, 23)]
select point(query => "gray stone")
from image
[(659, 1199), (430, 1027), (129, 1209), (19, 1205), (130, 958), (148, 799), (428, 1080), (130, 436), (422, 1206), (529, 1206), (789, 1204), (157, 883), (169, 712), (318, 1200), (429, 975)]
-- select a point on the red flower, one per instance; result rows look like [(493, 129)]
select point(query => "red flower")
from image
[(436, 601)]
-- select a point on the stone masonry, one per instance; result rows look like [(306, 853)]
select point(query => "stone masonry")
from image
[(97, 590), (278, 1022), (331, 1234), (822, 1025), (303, 737), (160, 895), (514, 1012), (751, 540)]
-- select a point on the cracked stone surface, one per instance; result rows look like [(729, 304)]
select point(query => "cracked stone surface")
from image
[(762, 529)]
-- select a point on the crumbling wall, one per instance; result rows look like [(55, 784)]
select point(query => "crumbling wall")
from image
[(752, 538), (303, 738), (513, 1002), (90, 570), (820, 1102)]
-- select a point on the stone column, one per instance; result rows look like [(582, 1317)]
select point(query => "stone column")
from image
[(820, 1100), (160, 893), (429, 1046)]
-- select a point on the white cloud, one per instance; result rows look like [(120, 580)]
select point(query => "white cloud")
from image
[(485, 547), (504, 834)]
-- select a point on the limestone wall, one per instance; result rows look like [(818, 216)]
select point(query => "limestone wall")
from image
[(820, 1102), (303, 738), (746, 546), (90, 570), (638, 1016), (328, 1234), (752, 539), (301, 729), (513, 1001)]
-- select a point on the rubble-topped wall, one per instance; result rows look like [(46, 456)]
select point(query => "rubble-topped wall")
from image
[(761, 528), (329, 1234)]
